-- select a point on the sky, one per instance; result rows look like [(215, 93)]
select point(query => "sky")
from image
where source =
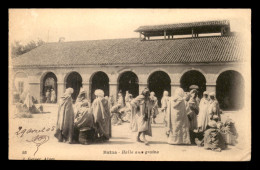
[(93, 24)]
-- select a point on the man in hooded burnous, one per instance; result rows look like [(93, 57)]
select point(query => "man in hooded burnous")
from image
[(48, 96), (177, 129), (155, 111), (65, 120), (84, 120), (101, 116), (143, 116), (192, 112)]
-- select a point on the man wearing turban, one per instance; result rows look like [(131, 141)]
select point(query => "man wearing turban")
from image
[(143, 117)]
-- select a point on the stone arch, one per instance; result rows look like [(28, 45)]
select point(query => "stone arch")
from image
[(193, 77), (48, 81), (20, 85), (159, 69), (96, 71), (194, 69), (128, 81), (68, 73), (158, 82), (125, 70), (230, 90), (14, 77), (73, 79), (228, 69), (99, 80)]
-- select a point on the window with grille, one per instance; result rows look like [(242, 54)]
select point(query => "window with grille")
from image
[(20, 86)]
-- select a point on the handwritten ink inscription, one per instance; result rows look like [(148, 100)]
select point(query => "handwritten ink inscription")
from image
[(38, 140), (21, 132)]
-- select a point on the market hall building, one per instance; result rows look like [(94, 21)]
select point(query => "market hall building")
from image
[(163, 57)]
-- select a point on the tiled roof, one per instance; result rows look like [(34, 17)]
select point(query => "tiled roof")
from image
[(182, 25), (134, 51)]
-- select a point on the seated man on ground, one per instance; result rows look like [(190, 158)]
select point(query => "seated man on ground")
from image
[(117, 110), (213, 139)]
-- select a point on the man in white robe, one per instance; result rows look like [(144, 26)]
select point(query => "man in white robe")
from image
[(177, 129), (53, 96), (164, 102)]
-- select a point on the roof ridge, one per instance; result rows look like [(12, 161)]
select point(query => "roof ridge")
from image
[(89, 40), (129, 51), (188, 22), (185, 25), (182, 38)]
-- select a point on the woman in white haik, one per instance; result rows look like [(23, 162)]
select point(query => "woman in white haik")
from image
[(203, 117)]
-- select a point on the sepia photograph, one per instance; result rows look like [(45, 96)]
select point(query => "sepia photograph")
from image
[(129, 84)]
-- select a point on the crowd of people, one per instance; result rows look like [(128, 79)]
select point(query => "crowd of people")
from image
[(84, 122), (187, 119), (122, 110)]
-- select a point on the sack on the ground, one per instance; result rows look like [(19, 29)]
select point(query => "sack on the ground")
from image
[(229, 138), (114, 119), (229, 132)]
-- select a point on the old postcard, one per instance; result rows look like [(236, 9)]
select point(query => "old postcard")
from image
[(130, 84)]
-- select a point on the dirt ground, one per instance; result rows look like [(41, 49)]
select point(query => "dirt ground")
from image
[(122, 145)]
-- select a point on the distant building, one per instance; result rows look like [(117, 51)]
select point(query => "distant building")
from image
[(213, 63)]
